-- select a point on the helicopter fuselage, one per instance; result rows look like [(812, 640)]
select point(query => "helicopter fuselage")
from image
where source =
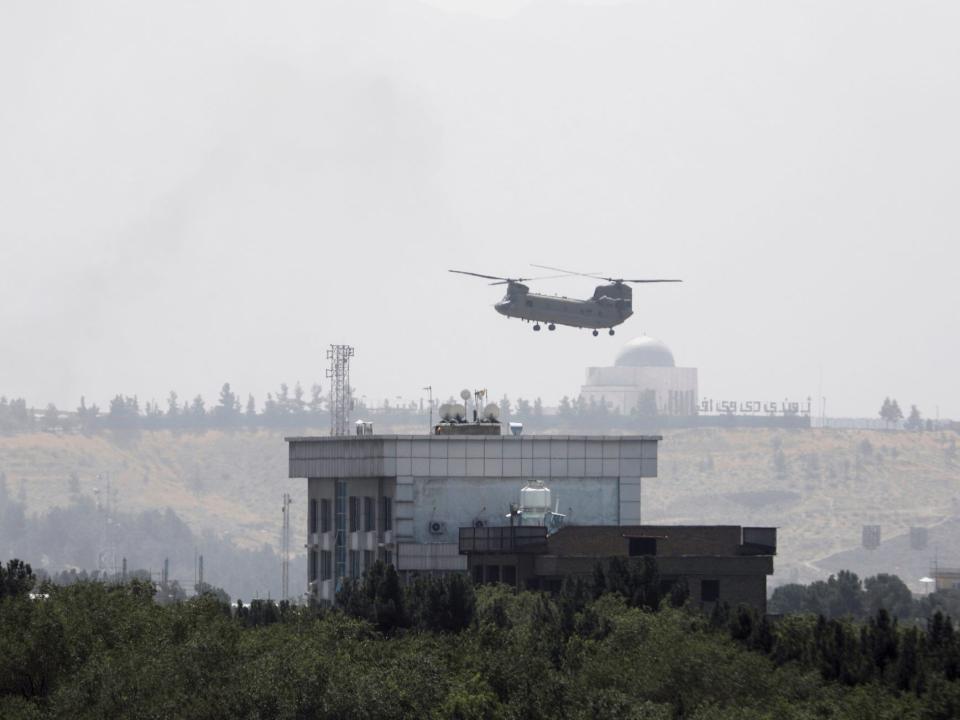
[(609, 306)]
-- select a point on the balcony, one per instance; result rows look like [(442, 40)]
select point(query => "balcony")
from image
[(501, 540)]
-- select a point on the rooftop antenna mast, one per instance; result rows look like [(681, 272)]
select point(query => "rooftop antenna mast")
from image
[(339, 375), (429, 389), (285, 549)]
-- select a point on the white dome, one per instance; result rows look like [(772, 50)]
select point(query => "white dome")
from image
[(645, 351)]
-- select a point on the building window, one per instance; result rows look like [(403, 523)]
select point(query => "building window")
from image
[(326, 565), (493, 573), (354, 564), (312, 521), (709, 590), (367, 560), (387, 514), (368, 519), (642, 546), (325, 515), (510, 575), (478, 574), (312, 572), (354, 518), (388, 557)]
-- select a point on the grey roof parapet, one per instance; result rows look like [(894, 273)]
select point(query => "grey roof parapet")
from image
[(506, 438)]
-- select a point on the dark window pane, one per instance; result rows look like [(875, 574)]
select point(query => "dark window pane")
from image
[(368, 520), (510, 575), (710, 590), (388, 513), (324, 515), (642, 546), (493, 573), (478, 574), (313, 516), (354, 513)]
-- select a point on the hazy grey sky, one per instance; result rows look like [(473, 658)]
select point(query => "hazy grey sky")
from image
[(193, 192)]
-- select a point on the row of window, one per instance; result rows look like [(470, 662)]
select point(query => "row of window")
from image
[(320, 564), (506, 574), (361, 514)]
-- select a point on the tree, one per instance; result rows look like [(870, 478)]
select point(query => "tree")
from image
[(316, 399), (198, 411), (251, 411), (228, 409), (888, 592), (885, 410), (914, 421), (506, 410), (283, 399), (298, 404), (524, 409), (173, 405), (51, 418), (16, 579)]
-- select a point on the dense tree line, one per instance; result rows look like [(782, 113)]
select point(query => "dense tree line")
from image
[(459, 651), (844, 595), (296, 407)]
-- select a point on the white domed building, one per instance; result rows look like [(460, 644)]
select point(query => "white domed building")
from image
[(643, 377)]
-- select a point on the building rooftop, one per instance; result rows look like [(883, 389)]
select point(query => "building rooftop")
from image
[(450, 438)]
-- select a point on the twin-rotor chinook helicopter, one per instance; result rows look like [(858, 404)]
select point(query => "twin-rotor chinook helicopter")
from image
[(610, 305)]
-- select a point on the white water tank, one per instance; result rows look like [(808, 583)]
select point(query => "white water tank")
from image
[(535, 499)]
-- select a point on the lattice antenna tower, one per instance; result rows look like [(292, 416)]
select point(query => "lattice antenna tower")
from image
[(339, 376), (285, 549)]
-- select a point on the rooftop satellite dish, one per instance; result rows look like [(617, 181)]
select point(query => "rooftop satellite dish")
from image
[(465, 394), (491, 412), (449, 411)]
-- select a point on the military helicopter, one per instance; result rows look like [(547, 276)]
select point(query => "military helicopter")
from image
[(610, 305)]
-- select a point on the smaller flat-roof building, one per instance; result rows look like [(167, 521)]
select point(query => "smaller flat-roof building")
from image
[(719, 563)]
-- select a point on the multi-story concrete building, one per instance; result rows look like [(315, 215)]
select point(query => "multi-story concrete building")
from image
[(403, 498)]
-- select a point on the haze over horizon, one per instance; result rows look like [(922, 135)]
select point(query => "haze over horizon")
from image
[(199, 193)]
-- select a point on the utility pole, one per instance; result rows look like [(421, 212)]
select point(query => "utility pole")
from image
[(429, 389), (285, 549)]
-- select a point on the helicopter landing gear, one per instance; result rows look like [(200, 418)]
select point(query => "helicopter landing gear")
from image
[(551, 326), (596, 332), (612, 332), (536, 328)]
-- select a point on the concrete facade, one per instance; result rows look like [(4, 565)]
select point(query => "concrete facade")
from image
[(402, 498)]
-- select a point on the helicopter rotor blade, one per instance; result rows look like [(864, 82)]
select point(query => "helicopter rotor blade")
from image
[(569, 272), (644, 281), (480, 275), (597, 276)]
